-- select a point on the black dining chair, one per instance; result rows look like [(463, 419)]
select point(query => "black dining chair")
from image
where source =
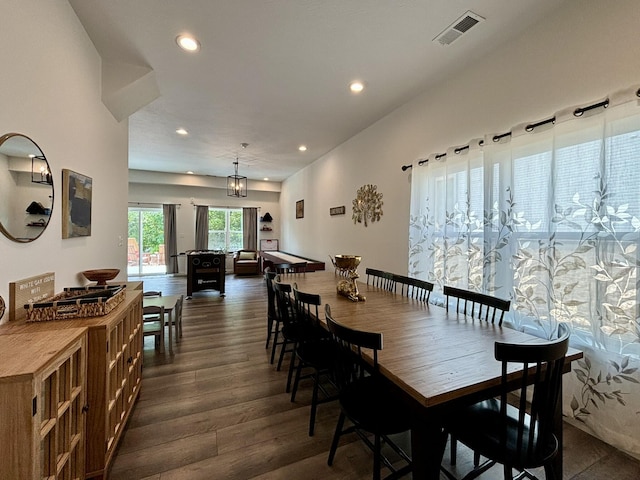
[(273, 322), (476, 305), (518, 436), (366, 399), (313, 353), (414, 287), (292, 331), (380, 279), (291, 268)]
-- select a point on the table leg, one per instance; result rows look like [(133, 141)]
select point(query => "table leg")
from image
[(170, 334), (428, 442)]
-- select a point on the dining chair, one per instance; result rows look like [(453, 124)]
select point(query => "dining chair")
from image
[(291, 268), (518, 436), (312, 353), (366, 399), (477, 305), (483, 307), (291, 331), (273, 327), (381, 279), (153, 322), (414, 287)]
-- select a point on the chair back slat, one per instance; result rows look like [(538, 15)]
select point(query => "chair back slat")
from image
[(306, 307), (478, 305)]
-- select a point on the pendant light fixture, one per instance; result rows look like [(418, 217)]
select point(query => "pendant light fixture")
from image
[(237, 184)]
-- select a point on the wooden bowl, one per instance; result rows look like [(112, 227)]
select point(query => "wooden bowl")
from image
[(101, 275)]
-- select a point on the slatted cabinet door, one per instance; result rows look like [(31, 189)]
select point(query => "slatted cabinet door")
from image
[(42, 404)]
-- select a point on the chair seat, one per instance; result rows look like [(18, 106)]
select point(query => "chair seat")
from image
[(372, 407), (480, 427)]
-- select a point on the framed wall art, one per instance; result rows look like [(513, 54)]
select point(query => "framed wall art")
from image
[(300, 209), (337, 210), (76, 204)]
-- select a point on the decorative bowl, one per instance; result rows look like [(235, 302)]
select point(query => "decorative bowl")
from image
[(101, 275), (347, 262)]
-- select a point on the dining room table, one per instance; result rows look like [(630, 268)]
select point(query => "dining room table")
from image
[(169, 303), (437, 359)]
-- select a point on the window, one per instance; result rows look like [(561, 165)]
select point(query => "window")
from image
[(225, 229), (146, 241)]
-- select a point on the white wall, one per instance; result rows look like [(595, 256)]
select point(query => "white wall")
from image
[(185, 189), (50, 91), (586, 50)]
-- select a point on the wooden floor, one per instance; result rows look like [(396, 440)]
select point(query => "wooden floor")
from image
[(217, 409)]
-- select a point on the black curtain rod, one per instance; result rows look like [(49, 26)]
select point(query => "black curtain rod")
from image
[(529, 128), (406, 167)]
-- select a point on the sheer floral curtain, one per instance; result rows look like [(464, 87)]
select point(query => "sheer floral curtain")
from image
[(549, 217)]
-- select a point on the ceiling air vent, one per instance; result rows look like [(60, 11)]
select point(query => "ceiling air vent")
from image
[(457, 28)]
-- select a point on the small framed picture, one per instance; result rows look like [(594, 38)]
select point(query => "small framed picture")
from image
[(300, 209), (337, 210)]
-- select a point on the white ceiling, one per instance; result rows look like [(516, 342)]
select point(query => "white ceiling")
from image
[(275, 73)]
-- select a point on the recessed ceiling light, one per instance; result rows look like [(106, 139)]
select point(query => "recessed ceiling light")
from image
[(182, 131), (356, 87), (266, 179), (189, 172), (302, 148), (188, 43)]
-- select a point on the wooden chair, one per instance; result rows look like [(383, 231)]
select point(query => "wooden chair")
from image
[(177, 317), (381, 279), (483, 307), (414, 288), (366, 399), (478, 305), (517, 436), (153, 322), (312, 353)]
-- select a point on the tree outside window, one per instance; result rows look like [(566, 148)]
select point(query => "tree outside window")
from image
[(225, 229)]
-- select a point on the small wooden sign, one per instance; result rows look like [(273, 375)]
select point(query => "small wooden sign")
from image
[(32, 289), (337, 210)]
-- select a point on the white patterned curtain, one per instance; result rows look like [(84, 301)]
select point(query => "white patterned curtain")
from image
[(549, 217)]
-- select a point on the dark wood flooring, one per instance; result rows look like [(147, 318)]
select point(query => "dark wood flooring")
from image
[(217, 409)]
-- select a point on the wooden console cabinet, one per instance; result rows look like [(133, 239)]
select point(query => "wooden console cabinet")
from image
[(205, 271), (42, 405), (114, 371)]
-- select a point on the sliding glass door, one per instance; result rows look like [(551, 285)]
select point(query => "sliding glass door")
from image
[(146, 241)]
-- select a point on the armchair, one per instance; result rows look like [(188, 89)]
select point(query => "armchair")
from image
[(246, 262)]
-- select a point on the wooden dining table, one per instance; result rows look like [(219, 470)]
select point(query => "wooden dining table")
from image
[(169, 303), (438, 360)]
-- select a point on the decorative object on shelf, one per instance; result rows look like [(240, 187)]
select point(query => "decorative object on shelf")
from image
[(2, 307), (40, 170), (266, 218), (101, 275), (76, 302), (347, 265), (337, 210), (300, 209), (367, 206), (76, 204), (266, 229), (237, 184)]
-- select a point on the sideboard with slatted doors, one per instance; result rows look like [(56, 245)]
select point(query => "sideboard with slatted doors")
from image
[(43, 404)]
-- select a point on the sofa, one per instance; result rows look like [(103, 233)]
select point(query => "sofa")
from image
[(246, 262)]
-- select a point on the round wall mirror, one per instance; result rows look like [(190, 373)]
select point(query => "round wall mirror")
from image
[(26, 188)]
